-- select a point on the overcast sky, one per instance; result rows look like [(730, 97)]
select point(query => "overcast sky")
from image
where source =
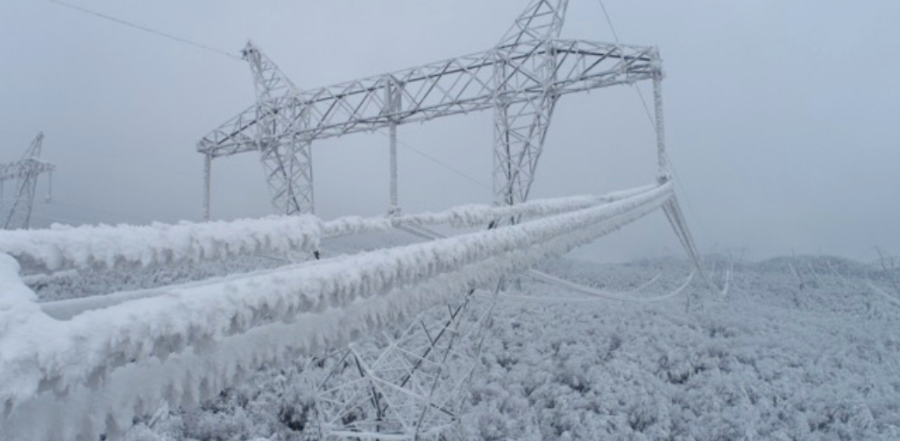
[(780, 115)]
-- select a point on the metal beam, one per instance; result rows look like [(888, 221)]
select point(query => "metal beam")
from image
[(449, 87)]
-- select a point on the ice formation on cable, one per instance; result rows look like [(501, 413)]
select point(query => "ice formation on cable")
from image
[(62, 247), (92, 371)]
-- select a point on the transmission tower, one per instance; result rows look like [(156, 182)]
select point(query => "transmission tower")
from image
[(520, 79), (407, 386), (25, 172)]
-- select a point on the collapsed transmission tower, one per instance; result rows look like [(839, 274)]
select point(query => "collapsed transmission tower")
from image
[(407, 385), (25, 172)]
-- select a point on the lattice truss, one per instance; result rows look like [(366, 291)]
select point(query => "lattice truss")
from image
[(520, 80), (25, 172), (407, 385)]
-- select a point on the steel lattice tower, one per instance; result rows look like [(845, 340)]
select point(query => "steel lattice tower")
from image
[(520, 79), (25, 172), (406, 384), (286, 159), (520, 125)]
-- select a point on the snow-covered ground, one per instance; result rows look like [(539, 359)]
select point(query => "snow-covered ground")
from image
[(800, 348)]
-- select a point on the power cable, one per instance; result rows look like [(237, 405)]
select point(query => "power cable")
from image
[(672, 167), (608, 21), (441, 163), (652, 122), (601, 294), (650, 118), (687, 199), (146, 29), (640, 95)]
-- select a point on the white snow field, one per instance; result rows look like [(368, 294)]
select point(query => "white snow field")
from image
[(800, 348)]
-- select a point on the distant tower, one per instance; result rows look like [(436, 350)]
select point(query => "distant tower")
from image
[(25, 172)]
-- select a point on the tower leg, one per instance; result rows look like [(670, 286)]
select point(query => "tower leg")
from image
[(20, 214), (395, 204), (207, 176), (664, 172), (288, 167), (519, 133), (49, 186), (393, 102)]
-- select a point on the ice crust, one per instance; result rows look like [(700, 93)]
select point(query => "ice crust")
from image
[(94, 372), (62, 247)]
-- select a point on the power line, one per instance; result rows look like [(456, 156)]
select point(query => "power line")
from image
[(442, 164), (650, 118), (678, 183), (146, 29), (652, 122), (448, 167), (616, 37), (608, 21)]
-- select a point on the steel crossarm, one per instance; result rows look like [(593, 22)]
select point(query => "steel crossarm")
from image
[(24, 168), (449, 87)]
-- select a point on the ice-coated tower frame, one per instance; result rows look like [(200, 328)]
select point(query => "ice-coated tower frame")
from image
[(25, 172), (520, 79), (407, 386)]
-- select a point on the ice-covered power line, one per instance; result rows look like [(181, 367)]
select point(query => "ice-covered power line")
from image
[(653, 120), (603, 294), (297, 309), (125, 246)]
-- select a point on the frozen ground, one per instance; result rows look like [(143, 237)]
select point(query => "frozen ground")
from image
[(801, 348), (771, 361)]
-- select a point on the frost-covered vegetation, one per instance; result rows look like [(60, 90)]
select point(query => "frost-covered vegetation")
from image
[(800, 348)]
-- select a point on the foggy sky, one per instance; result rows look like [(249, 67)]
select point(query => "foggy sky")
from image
[(779, 115)]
